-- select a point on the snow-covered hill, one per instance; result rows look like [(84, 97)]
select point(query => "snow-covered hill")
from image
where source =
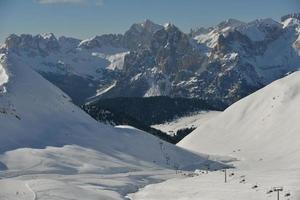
[(44, 138), (261, 135), (36, 114), (263, 126), (262, 132)]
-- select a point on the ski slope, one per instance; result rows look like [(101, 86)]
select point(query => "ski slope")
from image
[(263, 126), (261, 135), (51, 149)]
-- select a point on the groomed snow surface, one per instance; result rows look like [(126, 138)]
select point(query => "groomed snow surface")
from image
[(51, 150), (261, 134)]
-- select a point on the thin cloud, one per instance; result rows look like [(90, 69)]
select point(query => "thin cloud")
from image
[(92, 2), (99, 2)]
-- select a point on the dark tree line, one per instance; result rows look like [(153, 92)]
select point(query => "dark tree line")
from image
[(144, 112)]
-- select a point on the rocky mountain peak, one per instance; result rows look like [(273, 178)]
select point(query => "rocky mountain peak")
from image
[(292, 15), (230, 23), (261, 29), (225, 62), (12, 41), (47, 42), (169, 27), (170, 35), (140, 34), (150, 26), (44, 43), (47, 36), (68, 44), (291, 20), (106, 40), (146, 26)]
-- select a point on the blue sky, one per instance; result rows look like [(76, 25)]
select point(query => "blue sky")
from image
[(86, 18)]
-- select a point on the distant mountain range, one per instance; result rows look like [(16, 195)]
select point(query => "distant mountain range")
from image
[(221, 64)]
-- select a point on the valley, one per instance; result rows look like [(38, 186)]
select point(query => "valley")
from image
[(154, 113)]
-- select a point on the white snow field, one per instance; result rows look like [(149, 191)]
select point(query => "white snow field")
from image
[(52, 150), (261, 134), (190, 121), (3, 79)]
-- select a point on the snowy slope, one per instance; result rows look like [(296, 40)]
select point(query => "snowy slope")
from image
[(37, 114), (261, 133), (257, 186), (263, 124), (51, 149), (210, 36), (259, 30), (77, 67), (3, 76)]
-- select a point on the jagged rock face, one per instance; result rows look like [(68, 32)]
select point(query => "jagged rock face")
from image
[(222, 63), (33, 45), (107, 40), (225, 63), (261, 30), (291, 16), (13, 41), (151, 71), (223, 26), (234, 40), (78, 68), (68, 44), (174, 52), (170, 52), (139, 35), (174, 67)]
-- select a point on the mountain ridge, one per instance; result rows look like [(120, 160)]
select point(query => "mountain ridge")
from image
[(222, 63)]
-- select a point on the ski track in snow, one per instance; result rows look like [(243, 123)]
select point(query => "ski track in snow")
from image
[(30, 189)]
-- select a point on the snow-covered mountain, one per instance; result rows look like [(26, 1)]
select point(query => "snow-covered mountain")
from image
[(77, 67), (82, 69), (222, 63), (259, 135), (49, 147), (225, 63), (262, 125), (261, 131), (68, 63), (36, 114), (140, 35)]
